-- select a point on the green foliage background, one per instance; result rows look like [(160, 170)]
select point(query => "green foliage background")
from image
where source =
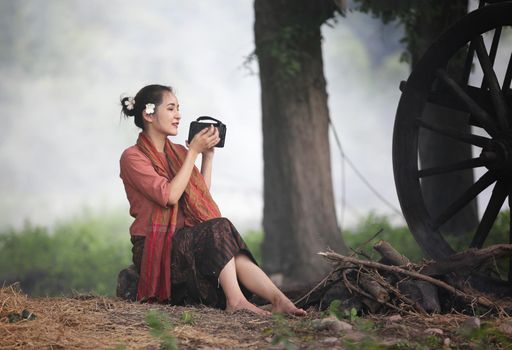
[(82, 254), (85, 253), (400, 238)]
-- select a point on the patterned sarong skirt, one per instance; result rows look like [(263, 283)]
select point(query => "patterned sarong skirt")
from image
[(198, 255)]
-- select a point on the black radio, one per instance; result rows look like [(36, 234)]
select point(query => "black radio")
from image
[(199, 125)]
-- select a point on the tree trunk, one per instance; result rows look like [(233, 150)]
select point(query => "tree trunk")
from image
[(432, 19), (299, 217)]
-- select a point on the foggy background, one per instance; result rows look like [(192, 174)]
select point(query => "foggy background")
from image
[(64, 65)]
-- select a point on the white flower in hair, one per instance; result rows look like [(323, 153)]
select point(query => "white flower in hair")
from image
[(150, 108), (130, 103)]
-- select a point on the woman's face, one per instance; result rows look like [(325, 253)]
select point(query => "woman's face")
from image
[(166, 117)]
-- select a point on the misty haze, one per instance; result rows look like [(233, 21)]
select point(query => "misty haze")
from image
[(65, 64)]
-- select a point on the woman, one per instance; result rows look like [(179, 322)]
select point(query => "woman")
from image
[(183, 250)]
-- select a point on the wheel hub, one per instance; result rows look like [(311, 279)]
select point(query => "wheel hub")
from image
[(498, 154)]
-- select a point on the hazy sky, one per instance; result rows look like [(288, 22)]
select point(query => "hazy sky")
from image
[(62, 133)]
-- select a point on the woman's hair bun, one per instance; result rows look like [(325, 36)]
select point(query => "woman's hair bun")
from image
[(128, 106), (133, 106)]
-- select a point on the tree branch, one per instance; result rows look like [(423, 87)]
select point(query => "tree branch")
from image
[(471, 298)]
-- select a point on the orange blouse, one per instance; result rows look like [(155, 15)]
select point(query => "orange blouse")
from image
[(145, 189)]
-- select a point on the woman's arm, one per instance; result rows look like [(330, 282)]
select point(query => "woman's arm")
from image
[(203, 143), (207, 163), (180, 180), (206, 168)]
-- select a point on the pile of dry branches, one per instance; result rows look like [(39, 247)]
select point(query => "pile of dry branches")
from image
[(396, 284)]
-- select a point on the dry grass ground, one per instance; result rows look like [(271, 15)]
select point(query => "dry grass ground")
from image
[(95, 322)]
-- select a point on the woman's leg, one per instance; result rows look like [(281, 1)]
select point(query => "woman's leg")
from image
[(235, 299), (259, 283)]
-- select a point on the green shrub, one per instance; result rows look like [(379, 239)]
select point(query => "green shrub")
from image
[(498, 234), (402, 239), (398, 236), (82, 254), (253, 239), (160, 327), (85, 253)]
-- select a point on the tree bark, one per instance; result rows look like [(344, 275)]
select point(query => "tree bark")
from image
[(299, 217), (432, 19)]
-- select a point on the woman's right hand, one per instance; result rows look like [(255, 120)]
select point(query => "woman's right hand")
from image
[(205, 139), (202, 141)]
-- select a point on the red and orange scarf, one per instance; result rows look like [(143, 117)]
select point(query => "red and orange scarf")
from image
[(197, 205)]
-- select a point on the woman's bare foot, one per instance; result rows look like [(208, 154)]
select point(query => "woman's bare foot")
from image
[(284, 305), (244, 304)]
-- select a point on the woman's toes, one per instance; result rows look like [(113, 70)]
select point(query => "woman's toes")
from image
[(246, 305), (286, 306)]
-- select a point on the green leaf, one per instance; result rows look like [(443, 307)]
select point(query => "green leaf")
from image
[(187, 317)]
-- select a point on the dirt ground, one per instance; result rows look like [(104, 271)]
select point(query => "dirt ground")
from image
[(94, 322)]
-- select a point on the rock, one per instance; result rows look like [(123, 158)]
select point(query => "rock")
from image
[(331, 323), (506, 327), (127, 281), (469, 326), (13, 317), (424, 293), (472, 323), (429, 297), (28, 315), (330, 340), (434, 331), (394, 318), (318, 324), (355, 335), (338, 292), (372, 305), (447, 342)]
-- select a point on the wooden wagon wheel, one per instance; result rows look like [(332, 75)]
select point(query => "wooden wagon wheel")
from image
[(489, 109)]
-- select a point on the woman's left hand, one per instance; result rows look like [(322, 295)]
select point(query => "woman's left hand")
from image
[(210, 151), (206, 163)]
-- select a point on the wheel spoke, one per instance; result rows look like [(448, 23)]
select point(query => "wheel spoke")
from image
[(468, 64), (479, 113), (494, 45), (508, 75), (499, 193), (485, 181), (510, 231), (442, 169), (455, 134), (493, 51), (497, 98)]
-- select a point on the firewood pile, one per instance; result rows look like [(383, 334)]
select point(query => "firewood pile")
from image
[(395, 284)]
